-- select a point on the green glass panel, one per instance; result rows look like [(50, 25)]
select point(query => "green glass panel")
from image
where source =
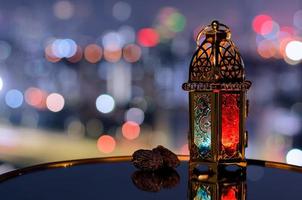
[(202, 123)]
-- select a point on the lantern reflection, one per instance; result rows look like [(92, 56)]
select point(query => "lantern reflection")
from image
[(208, 185)]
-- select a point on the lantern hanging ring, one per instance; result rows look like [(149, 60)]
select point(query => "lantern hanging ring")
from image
[(214, 28)]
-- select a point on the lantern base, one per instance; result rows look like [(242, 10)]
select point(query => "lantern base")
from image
[(212, 171)]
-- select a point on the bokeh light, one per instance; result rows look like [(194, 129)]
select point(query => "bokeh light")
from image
[(106, 144), (112, 41), (121, 11), (270, 29), (94, 127), (77, 57), (1, 83), (130, 130), (294, 157), (148, 37), (49, 54), (259, 21), (297, 20), (293, 50), (63, 10), (176, 22), (127, 33), (132, 53), (135, 114), (93, 53), (105, 103), (14, 98), (35, 97), (5, 50), (55, 102), (112, 56), (75, 129), (64, 48), (266, 49)]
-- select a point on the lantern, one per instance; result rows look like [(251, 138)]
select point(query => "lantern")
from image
[(230, 185), (217, 99)]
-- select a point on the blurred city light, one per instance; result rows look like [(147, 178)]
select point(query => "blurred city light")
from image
[(127, 33), (49, 54), (112, 41), (77, 57), (112, 56), (294, 157), (259, 21), (121, 11), (297, 20), (94, 127), (293, 50), (93, 53), (136, 115), (147, 37), (106, 144), (55, 102), (63, 10), (105, 103), (130, 130), (36, 97), (14, 98), (1, 83), (132, 53), (64, 48), (75, 128), (5, 50)]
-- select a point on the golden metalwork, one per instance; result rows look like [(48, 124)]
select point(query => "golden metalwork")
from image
[(216, 74)]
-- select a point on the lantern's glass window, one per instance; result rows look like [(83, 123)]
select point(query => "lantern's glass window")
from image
[(203, 193), (202, 123), (230, 124)]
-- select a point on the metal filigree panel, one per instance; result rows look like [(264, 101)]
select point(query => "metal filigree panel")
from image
[(229, 61), (202, 63), (226, 66), (202, 124)]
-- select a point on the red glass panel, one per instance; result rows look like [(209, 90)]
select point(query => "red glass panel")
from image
[(229, 193), (230, 124)]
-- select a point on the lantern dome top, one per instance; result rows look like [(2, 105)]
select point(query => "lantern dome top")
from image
[(217, 59)]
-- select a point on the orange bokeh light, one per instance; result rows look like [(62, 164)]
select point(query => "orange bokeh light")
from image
[(132, 53), (36, 97), (130, 130), (266, 49), (93, 53), (49, 55), (112, 55), (77, 56), (106, 144)]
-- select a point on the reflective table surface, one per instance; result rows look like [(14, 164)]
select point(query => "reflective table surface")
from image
[(116, 178)]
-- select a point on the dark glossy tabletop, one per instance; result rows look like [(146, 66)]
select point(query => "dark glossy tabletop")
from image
[(112, 178)]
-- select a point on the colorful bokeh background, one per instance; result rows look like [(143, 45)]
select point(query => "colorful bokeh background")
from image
[(93, 78)]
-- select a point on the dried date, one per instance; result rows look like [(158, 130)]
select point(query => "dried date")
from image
[(147, 160)]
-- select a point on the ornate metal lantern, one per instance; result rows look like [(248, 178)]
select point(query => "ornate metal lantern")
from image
[(217, 99)]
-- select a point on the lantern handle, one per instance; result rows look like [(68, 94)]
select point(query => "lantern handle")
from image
[(214, 27)]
